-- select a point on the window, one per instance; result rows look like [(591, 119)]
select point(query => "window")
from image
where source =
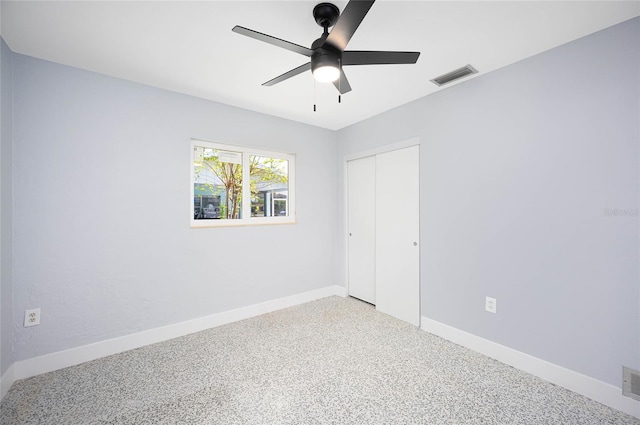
[(232, 186)]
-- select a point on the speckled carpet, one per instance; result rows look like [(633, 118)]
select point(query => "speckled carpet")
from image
[(332, 361)]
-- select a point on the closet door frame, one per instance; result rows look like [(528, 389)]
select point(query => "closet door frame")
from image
[(415, 141)]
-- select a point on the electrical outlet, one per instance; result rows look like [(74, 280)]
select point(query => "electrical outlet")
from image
[(490, 304), (31, 317)]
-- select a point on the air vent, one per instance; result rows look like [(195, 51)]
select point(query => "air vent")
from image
[(454, 75), (631, 383)]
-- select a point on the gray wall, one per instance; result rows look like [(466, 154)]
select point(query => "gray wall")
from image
[(6, 193), (519, 168), (102, 242)]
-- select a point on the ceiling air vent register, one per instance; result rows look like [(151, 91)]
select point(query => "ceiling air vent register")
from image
[(454, 75)]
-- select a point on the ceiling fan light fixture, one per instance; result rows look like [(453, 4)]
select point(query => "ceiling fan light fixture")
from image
[(326, 73), (325, 66)]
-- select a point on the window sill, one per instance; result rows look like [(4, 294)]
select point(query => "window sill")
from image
[(254, 221)]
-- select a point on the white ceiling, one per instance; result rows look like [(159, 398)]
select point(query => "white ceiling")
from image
[(188, 47)]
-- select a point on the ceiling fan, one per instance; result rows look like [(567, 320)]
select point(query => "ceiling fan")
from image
[(327, 53)]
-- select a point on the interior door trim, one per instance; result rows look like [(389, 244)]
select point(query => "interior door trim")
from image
[(382, 149)]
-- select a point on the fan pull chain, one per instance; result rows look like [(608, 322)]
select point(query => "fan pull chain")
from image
[(340, 81), (314, 95)]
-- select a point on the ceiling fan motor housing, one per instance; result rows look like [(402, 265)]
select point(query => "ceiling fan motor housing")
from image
[(324, 55)]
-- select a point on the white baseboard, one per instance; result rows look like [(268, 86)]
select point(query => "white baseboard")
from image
[(6, 381), (589, 387), (341, 291), (73, 356)]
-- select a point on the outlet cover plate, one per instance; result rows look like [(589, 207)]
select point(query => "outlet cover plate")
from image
[(490, 304), (31, 317)]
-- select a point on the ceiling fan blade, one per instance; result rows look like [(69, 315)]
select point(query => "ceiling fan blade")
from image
[(289, 74), (342, 84), (273, 40), (360, 57), (348, 22)]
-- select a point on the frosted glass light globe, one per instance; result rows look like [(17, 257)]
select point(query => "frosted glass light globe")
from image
[(326, 74)]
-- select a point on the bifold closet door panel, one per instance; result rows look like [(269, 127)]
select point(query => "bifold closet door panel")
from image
[(397, 233)]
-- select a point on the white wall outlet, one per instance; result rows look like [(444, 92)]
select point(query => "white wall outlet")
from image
[(31, 317), (490, 305)]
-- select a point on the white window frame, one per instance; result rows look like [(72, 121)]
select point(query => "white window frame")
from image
[(247, 220)]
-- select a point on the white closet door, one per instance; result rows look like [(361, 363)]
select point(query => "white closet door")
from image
[(397, 234), (361, 187)]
